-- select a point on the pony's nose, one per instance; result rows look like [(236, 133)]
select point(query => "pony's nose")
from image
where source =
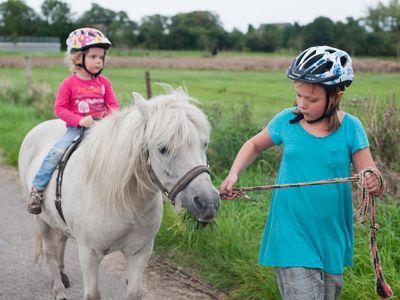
[(199, 205), (207, 206)]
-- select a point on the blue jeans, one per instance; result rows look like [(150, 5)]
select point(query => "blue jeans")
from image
[(50, 162), (308, 284)]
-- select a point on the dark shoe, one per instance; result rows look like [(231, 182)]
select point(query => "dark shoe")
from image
[(35, 201)]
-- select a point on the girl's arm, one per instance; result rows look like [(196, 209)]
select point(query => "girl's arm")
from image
[(245, 157), (111, 100), (361, 160), (62, 106)]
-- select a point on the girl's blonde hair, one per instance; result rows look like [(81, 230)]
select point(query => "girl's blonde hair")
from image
[(72, 60), (333, 120)]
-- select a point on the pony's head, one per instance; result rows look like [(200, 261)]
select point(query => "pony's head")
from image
[(177, 134)]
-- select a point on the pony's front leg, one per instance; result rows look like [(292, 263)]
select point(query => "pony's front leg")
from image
[(51, 257), (136, 263), (89, 262)]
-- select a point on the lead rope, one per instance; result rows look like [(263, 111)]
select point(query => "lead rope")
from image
[(368, 202)]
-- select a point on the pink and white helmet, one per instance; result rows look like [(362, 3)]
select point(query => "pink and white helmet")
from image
[(84, 38)]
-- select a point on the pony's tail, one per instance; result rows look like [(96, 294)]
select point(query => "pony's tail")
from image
[(39, 248)]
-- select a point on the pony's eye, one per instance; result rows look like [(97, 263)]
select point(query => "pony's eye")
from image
[(205, 144), (163, 150)]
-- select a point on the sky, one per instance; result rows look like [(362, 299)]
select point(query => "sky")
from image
[(233, 13)]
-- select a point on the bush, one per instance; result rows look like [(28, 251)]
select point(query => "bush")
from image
[(232, 127), (382, 123), (41, 97)]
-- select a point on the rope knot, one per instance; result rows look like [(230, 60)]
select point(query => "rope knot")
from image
[(374, 227)]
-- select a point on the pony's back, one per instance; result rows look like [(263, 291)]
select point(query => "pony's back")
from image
[(35, 146)]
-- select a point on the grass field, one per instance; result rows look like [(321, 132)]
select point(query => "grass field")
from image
[(268, 92), (226, 254)]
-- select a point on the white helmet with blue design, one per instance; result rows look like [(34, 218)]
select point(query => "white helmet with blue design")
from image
[(324, 65)]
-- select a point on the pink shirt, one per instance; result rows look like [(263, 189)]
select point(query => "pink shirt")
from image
[(77, 98)]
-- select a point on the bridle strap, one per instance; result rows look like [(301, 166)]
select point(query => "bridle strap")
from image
[(180, 185), (154, 178), (186, 179)]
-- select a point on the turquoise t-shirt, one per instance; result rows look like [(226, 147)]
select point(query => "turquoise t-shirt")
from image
[(312, 226)]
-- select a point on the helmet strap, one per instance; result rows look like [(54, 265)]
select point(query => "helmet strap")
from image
[(326, 114), (83, 65)]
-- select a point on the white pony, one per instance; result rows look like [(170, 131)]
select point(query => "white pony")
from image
[(110, 197)]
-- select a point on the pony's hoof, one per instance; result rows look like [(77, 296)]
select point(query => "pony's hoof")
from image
[(65, 281)]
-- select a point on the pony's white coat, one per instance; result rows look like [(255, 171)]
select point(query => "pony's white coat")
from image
[(108, 199)]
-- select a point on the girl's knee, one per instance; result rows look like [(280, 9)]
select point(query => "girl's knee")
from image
[(55, 155)]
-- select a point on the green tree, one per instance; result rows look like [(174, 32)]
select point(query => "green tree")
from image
[(273, 36), (56, 12), (254, 40), (57, 19), (235, 40), (319, 32), (196, 30), (153, 32), (351, 37), (294, 38), (97, 16), (385, 21), (116, 25), (18, 19), (121, 31)]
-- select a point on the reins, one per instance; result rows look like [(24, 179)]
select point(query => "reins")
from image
[(367, 207)]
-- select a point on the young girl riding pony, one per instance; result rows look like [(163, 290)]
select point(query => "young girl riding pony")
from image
[(83, 97)]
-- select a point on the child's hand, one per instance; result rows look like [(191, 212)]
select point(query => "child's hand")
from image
[(86, 121), (226, 187), (373, 183)]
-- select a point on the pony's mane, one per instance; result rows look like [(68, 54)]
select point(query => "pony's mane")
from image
[(116, 146)]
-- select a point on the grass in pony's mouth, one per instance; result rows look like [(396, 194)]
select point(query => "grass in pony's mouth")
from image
[(185, 223)]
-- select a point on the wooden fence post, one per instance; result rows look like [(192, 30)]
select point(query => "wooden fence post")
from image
[(28, 74), (148, 84)]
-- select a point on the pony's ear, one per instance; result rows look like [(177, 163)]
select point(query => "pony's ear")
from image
[(141, 104), (180, 91)]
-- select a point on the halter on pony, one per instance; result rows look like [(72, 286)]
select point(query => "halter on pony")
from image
[(180, 185)]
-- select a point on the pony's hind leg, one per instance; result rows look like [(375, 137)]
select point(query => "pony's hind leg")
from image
[(136, 263), (61, 239), (89, 262), (50, 251)]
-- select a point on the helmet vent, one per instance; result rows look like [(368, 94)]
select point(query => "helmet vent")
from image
[(313, 60), (310, 55), (343, 61), (321, 69)]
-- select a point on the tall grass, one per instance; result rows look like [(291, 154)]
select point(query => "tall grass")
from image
[(226, 255), (232, 126)]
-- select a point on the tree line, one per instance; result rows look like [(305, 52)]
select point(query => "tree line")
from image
[(376, 34)]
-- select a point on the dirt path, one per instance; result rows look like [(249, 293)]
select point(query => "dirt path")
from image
[(200, 63), (20, 279)]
